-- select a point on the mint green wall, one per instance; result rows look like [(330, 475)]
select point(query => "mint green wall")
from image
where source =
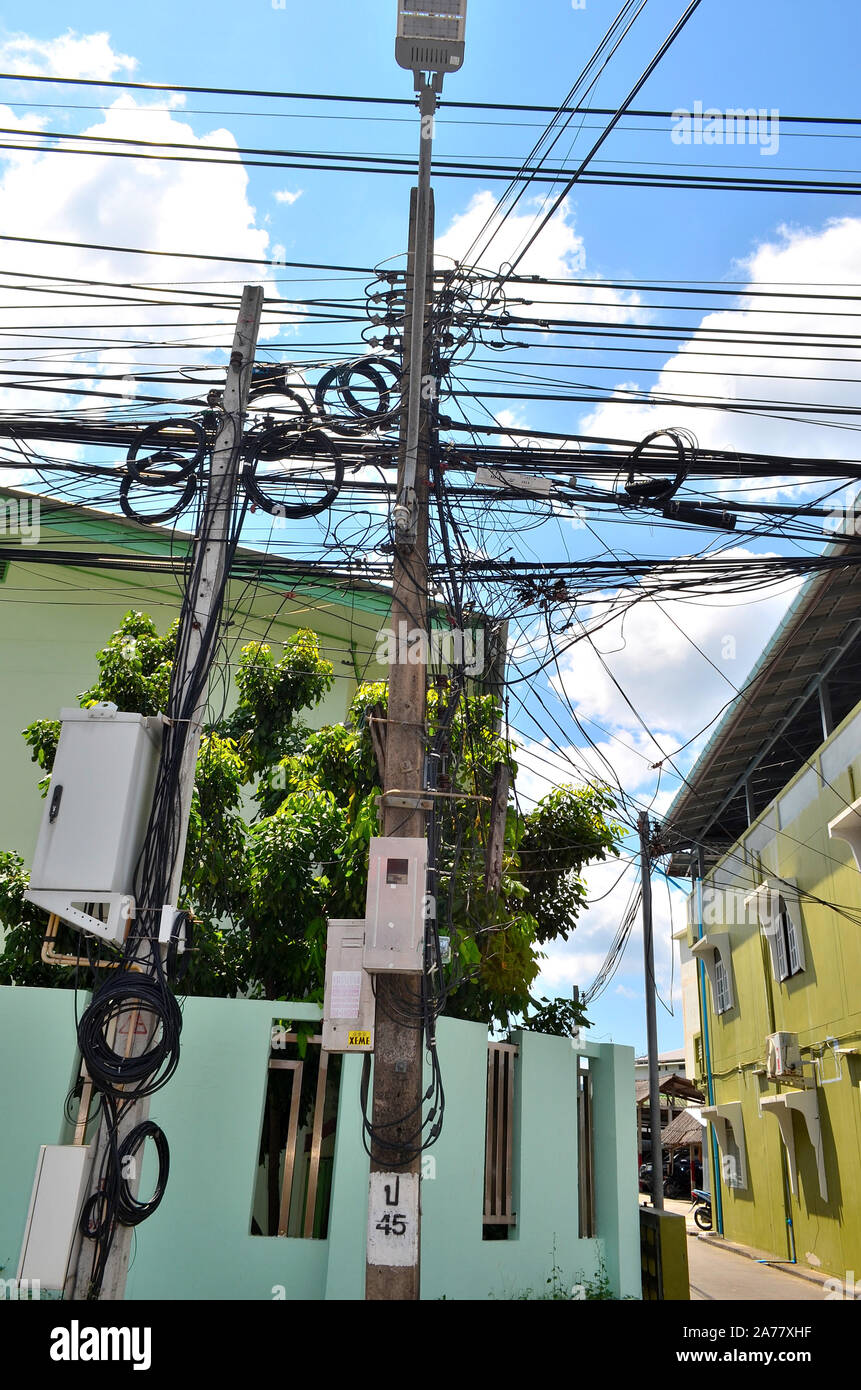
[(197, 1245), (616, 1164), (38, 1064)]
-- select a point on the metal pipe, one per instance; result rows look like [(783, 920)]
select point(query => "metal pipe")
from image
[(717, 1201), (651, 1019)]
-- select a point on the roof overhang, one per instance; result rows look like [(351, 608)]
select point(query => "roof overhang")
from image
[(776, 721)]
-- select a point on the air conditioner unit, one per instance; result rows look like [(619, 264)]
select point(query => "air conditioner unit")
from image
[(782, 1056)]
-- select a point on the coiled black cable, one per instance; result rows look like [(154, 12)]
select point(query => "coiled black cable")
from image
[(112, 1072), (114, 1201), (130, 1210)]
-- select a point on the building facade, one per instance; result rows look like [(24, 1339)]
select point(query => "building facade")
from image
[(771, 955), (65, 588)]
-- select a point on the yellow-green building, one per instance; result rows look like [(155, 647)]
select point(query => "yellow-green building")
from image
[(771, 957)]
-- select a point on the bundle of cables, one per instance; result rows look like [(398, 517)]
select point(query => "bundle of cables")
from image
[(120, 1080), (138, 999)]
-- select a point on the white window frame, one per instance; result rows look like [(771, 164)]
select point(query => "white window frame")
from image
[(716, 951), (795, 950), (721, 987), (780, 917)]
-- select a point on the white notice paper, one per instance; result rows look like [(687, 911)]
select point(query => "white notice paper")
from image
[(346, 993)]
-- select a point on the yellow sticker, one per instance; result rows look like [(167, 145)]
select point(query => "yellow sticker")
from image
[(357, 1039)]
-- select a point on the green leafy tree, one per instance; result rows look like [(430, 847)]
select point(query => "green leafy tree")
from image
[(281, 820)]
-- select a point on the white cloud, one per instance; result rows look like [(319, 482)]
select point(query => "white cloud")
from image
[(800, 259), (159, 206), (490, 240), (578, 960), (563, 969), (285, 195), (70, 55), (676, 671), (626, 759)]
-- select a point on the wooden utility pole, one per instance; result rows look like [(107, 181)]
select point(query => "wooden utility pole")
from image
[(203, 603), (651, 1017), (398, 1051)]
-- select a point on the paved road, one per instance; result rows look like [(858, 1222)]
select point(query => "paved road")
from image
[(717, 1274), (724, 1276)]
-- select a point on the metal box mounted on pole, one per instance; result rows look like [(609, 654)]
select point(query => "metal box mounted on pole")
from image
[(348, 999), (95, 818), (395, 916)]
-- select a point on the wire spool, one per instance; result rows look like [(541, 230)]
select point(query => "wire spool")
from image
[(280, 403), (166, 454), (123, 996), (130, 1209), (656, 492), (114, 1200), (307, 487), (360, 418)]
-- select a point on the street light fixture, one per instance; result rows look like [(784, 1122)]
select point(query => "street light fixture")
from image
[(430, 35), (430, 42)]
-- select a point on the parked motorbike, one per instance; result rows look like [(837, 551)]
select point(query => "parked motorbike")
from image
[(702, 1204)]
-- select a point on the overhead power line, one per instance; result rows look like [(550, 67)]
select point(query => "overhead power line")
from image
[(394, 101), (185, 255)]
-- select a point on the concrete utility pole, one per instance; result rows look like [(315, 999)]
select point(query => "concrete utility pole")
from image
[(202, 604), (651, 1017), (397, 1090)]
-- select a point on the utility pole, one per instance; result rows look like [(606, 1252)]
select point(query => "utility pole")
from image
[(651, 1017), (201, 609), (430, 42), (398, 1050)]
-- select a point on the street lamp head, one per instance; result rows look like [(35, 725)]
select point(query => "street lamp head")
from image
[(431, 35)]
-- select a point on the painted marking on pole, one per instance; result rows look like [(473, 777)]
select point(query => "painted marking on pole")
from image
[(393, 1228), (140, 1027)]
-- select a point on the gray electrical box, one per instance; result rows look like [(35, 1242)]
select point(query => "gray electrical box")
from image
[(96, 815), (395, 919), (348, 1002), (59, 1188)]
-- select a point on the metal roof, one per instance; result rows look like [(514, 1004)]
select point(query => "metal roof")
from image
[(685, 1129), (669, 1085), (775, 723)]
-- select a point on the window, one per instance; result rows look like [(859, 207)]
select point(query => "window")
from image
[(722, 996), (788, 954), (586, 1151), (780, 918), (715, 954), (793, 944), (297, 1143), (499, 1184)]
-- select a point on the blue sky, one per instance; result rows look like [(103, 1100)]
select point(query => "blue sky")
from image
[(777, 55)]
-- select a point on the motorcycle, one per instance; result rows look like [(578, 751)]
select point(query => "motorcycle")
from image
[(702, 1209)]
